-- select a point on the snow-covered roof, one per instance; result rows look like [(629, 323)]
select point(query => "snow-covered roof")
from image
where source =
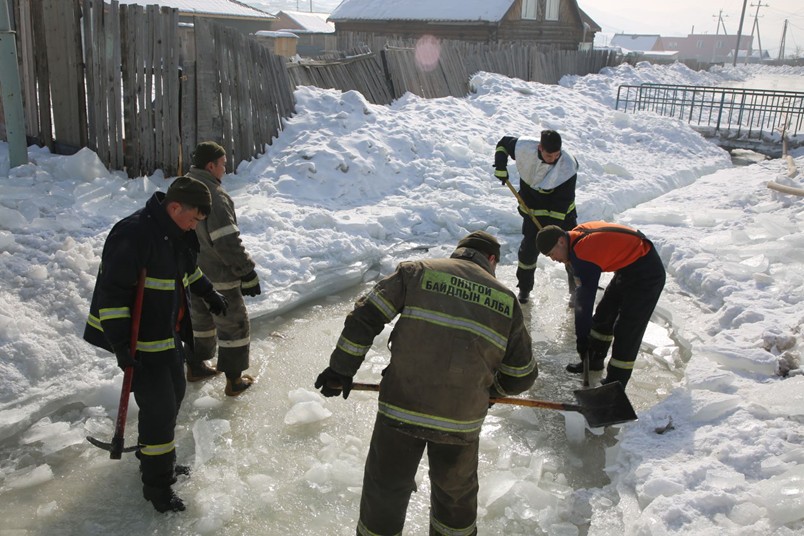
[(280, 33), (635, 42), (207, 7), (430, 10), (310, 22)]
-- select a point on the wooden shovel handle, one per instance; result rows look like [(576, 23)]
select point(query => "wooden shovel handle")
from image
[(522, 204), (529, 402)]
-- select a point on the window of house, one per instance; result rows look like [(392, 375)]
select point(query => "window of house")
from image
[(551, 10), (530, 9), (719, 44), (699, 44)]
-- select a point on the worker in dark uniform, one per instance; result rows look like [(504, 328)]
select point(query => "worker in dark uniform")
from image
[(460, 338), (159, 239), (224, 259), (547, 177), (628, 301)]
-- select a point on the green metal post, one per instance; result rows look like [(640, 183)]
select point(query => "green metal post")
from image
[(11, 91)]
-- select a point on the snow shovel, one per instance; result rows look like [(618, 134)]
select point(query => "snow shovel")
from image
[(600, 406), (116, 448), (522, 204)]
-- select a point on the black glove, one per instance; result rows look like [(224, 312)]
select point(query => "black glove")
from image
[(250, 284), (332, 383), (501, 174), (124, 357), (217, 302), (494, 393)]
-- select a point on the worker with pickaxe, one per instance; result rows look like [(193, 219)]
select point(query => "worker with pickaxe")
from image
[(139, 312)]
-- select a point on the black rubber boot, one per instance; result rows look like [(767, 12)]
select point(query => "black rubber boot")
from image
[(524, 296), (163, 499), (577, 368)]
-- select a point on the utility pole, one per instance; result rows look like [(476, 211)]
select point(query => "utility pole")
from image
[(720, 23), (782, 43), (12, 91), (739, 33), (756, 25)]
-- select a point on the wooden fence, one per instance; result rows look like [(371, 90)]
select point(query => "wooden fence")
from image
[(140, 91), (445, 69), (137, 95)]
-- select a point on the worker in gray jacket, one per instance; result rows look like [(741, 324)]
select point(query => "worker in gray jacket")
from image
[(224, 260), (460, 338)]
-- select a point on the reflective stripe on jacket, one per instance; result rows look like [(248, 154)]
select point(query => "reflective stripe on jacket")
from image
[(146, 239), (223, 257), (459, 334)]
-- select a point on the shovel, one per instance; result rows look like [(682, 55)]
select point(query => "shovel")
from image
[(523, 205), (116, 448), (600, 406)]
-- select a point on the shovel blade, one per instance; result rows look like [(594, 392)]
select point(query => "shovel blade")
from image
[(605, 405)]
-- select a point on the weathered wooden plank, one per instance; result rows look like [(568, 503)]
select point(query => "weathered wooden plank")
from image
[(173, 137), (114, 84), (25, 47), (65, 64)]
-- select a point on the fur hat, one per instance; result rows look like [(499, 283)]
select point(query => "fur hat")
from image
[(482, 242), (548, 238), (206, 152), (190, 192)]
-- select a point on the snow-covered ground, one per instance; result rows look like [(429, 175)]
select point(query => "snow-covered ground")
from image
[(345, 190)]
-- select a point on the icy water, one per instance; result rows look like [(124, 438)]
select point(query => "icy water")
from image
[(278, 461), (777, 82)]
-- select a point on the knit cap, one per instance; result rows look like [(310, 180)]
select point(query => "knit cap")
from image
[(548, 237), (482, 242), (206, 152), (190, 192)]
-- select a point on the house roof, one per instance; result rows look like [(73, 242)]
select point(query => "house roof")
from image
[(595, 27), (309, 22), (421, 10), (221, 8), (635, 42)]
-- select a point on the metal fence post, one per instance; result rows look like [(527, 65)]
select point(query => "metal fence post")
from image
[(12, 91)]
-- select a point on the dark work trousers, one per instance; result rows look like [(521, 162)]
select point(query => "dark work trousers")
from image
[(229, 334), (388, 481), (158, 387), (625, 311), (528, 252)]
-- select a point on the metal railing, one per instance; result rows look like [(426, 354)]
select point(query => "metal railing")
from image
[(748, 113)]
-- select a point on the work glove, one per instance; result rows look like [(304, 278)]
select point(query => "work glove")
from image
[(217, 302), (494, 393), (250, 284), (501, 174), (124, 357), (332, 383)]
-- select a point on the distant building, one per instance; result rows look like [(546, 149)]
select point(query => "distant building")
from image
[(556, 23), (708, 48), (316, 35), (638, 42), (231, 13), (281, 43)]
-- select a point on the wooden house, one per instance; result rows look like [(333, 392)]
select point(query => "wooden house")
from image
[(316, 35), (555, 23)]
